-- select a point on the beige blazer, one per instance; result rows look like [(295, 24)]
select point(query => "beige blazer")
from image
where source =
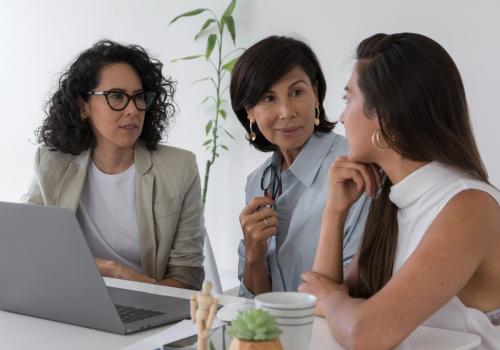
[(169, 208)]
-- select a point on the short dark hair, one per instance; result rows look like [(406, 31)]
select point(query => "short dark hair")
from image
[(260, 66), (63, 128)]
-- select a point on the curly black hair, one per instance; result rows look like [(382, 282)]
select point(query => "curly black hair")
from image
[(63, 128)]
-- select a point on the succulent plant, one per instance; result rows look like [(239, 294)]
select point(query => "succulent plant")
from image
[(254, 325)]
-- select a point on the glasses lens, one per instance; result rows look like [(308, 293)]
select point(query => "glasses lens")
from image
[(117, 100), (144, 100)]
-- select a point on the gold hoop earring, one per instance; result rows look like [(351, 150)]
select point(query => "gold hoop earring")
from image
[(377, 142), (316, 118), (252, 136)]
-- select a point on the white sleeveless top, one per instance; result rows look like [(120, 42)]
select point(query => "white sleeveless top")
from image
[(420, 197)]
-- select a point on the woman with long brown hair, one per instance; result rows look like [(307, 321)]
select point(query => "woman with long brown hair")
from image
[(431, 244)]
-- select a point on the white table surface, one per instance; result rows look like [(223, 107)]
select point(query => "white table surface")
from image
[(24, 332)]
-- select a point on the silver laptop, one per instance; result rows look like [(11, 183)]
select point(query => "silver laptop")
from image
[(48, 271)]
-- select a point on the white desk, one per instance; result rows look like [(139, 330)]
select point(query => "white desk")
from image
[(23, 332)]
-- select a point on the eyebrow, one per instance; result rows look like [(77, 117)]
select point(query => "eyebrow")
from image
[(297, 82), (290, 86), (125, 91)]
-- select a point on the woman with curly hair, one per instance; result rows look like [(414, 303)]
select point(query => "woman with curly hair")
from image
[(138, 202)]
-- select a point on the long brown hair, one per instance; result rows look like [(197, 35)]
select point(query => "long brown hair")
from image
[(415, 89)]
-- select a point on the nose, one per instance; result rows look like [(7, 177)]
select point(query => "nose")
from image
[(286, 109), (131, 109), (342, 117)]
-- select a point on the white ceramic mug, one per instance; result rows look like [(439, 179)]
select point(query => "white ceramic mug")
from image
[(294, 313)]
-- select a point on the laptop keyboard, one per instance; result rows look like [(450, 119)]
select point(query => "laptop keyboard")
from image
[(130, 314)]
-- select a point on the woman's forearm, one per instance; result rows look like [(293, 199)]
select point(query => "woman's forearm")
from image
[(256, 277), (329, 253)]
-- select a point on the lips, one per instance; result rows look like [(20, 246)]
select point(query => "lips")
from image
[(288, 130), (130, 126)]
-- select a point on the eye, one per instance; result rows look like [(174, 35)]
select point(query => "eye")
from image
[(267, 98), (116, 96), (296, 92), (140, 97)]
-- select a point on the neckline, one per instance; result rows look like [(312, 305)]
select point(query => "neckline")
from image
[(419, 182), (306, 165)]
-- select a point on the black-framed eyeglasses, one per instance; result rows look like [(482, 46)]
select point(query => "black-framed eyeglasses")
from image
[(270, 182), (118, 100)]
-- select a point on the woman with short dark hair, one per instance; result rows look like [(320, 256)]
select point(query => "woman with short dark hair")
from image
[(277, 92), (138, 202), (430, 249)]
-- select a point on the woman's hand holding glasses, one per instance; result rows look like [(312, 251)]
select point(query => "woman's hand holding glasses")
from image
[(259, 221)]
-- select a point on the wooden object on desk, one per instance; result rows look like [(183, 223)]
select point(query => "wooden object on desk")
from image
[(203, 308)]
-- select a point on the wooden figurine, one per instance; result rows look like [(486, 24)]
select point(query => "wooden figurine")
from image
[(203, 308)]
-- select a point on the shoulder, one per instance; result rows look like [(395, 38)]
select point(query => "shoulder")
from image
[(172, 155), (173, 166), (47, 160), (339, 146), (255, 175), (455, 184)]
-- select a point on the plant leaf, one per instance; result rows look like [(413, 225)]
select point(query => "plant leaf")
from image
[(229, 21), (205, 26), (222, 113), (187, 58), (208, 127), (207, 142), (206, 99), (212, 347), (228, 134), (229, 65), (225, 147), (188, 14), (210, 45), (230, 8), (200, 80)]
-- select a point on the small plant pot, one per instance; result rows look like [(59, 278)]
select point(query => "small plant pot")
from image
[(238, 344)]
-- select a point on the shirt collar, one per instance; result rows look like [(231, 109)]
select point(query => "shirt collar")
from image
[(419, 182), (307, 164)]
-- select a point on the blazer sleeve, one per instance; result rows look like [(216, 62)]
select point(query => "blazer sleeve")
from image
[(185, 262), (34, 194)]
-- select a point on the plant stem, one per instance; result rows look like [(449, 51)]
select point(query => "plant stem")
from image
[(215, 128)]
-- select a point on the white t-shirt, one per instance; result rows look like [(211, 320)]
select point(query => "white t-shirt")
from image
[(108, 216), (420, 197)]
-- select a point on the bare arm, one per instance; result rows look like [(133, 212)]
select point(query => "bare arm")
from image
[(347, 182), (459, 239)]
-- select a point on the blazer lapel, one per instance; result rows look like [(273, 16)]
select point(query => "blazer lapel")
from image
[(73, 181), (144, 203)]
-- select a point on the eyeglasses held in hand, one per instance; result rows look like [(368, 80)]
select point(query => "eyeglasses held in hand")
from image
[(118, 100), (270, 182)]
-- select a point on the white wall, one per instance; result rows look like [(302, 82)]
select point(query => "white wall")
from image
[(40, 38)]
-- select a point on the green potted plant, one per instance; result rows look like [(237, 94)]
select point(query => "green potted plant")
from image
[(221, 62), (255, 329)]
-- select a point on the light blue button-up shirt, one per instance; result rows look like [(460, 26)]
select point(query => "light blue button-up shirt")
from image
[(300, 210)]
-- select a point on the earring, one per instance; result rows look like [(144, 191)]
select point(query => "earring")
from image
[(316, 118), (377, 142), (252, 136), (83, 116)]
